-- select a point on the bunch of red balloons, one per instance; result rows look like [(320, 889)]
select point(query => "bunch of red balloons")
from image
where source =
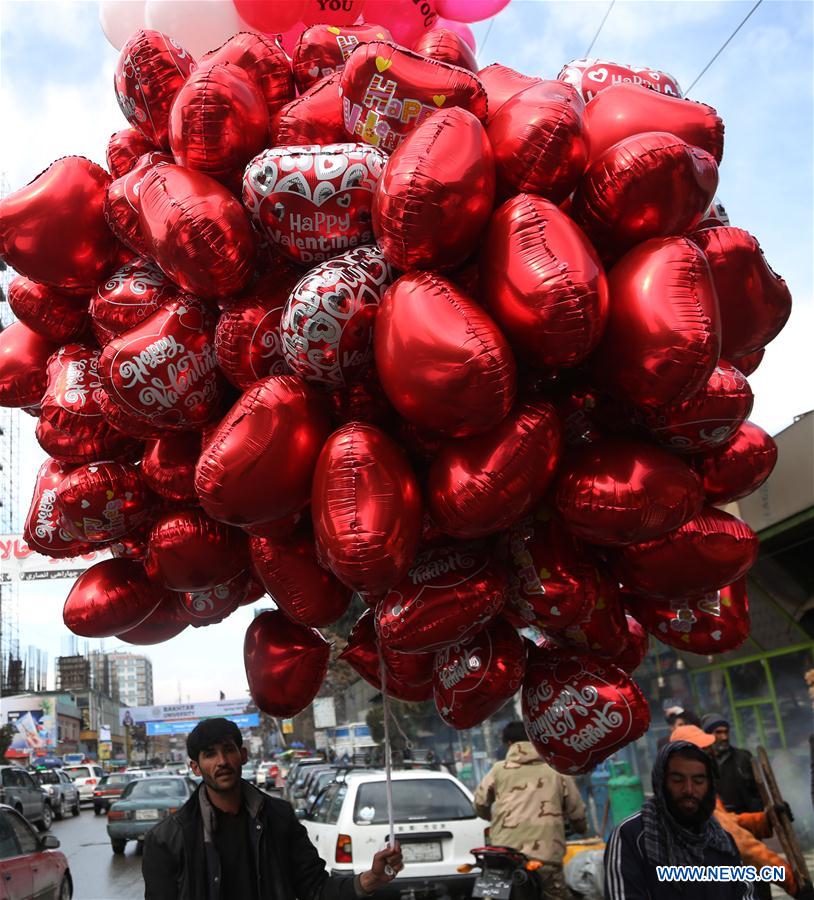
[(472, 345)]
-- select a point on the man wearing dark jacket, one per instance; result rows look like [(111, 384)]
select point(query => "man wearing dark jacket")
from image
[(674, 828), (230, 840), (736, 778)]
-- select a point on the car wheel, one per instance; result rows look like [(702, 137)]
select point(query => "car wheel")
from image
[(97, 810), (76, 809), (118, 846), (139, 848), (65, 892), (47, 818), (61, 810)]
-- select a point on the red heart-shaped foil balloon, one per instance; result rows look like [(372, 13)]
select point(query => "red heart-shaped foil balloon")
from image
[(247, 474), (649, 185), (74, 430), (578, 711), (315, 117), (263, 60), (24, 357), (56, 316), (708, 419), (151, 69), (543, 282), (134, 544), (539, 140), (755, 302), (436, 194), (120, 419), (164, 371), (662, 339), (364, 401), (634, 646), (482, 484), (128, 297), (197, 231), (713, 549), (101, 502), (472, 680), (327, 323), (602, 630), (442, 361), (739, 467), (218, 122), (285, 663), (53, 230), (501, 84), (247, 339), (388, 91), (109, 598), (213, 605), (122, 203), (300, 587), (323, 50), (447, 46), (43, 529), (124, 149), (449, 593), (590, 76), (747, 364), (553, 582), (163, 624), (168, 465), (621, 491), (366, 508), (313, 203), (627, 109), (715, 623), (188, 551), (408, 676)]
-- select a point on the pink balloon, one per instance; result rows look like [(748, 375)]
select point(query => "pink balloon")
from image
[(460, 29), (406, 20), (270, 15), (288, 39), (470, 10)]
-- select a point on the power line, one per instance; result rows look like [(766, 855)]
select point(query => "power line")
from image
[(723, 47), (486, 37), (601, 26)]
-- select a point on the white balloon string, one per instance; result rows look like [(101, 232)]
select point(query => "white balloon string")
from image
[(388, 757)]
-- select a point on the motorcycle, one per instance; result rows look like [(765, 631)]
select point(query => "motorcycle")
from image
[(505, 873)]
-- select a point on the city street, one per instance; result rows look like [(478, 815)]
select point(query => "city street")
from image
[(98, 873)]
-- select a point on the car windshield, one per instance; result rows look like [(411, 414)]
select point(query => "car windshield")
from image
[(416, 800), (157, 788), (48, 777), (78, 772)]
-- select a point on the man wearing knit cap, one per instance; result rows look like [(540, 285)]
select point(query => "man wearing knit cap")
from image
[(736, 778)]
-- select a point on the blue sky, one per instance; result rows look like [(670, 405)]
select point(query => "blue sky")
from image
[(57, 99)]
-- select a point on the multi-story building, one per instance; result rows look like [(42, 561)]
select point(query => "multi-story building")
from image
[(131, 678)]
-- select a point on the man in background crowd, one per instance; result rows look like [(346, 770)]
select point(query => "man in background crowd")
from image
[(736, 778)]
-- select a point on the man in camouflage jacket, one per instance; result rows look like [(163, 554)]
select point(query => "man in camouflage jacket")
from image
[(527, 803)]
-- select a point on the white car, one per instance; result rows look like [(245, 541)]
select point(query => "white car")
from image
[(435, 823), (85, 777)]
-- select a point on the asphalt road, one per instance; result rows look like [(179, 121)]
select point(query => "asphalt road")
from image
[(97, 873)]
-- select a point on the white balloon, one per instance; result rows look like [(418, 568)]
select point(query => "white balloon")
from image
[(197, 25), (120, 18)]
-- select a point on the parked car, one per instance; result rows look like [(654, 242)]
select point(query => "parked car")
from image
[(316, 779), (250, 773), (60, 791), (142, 805), (85, 777), (19, 790), (435, 823), (109, 789), (296, 775), (31, 865), (267, 775)]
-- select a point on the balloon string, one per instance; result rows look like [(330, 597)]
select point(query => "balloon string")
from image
[(388, 758)]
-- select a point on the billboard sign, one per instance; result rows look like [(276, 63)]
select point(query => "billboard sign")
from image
[(35, 730), (184, 726), (133, 715), (18, 562)]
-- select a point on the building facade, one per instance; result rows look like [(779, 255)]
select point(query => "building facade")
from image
[(129, 676)]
